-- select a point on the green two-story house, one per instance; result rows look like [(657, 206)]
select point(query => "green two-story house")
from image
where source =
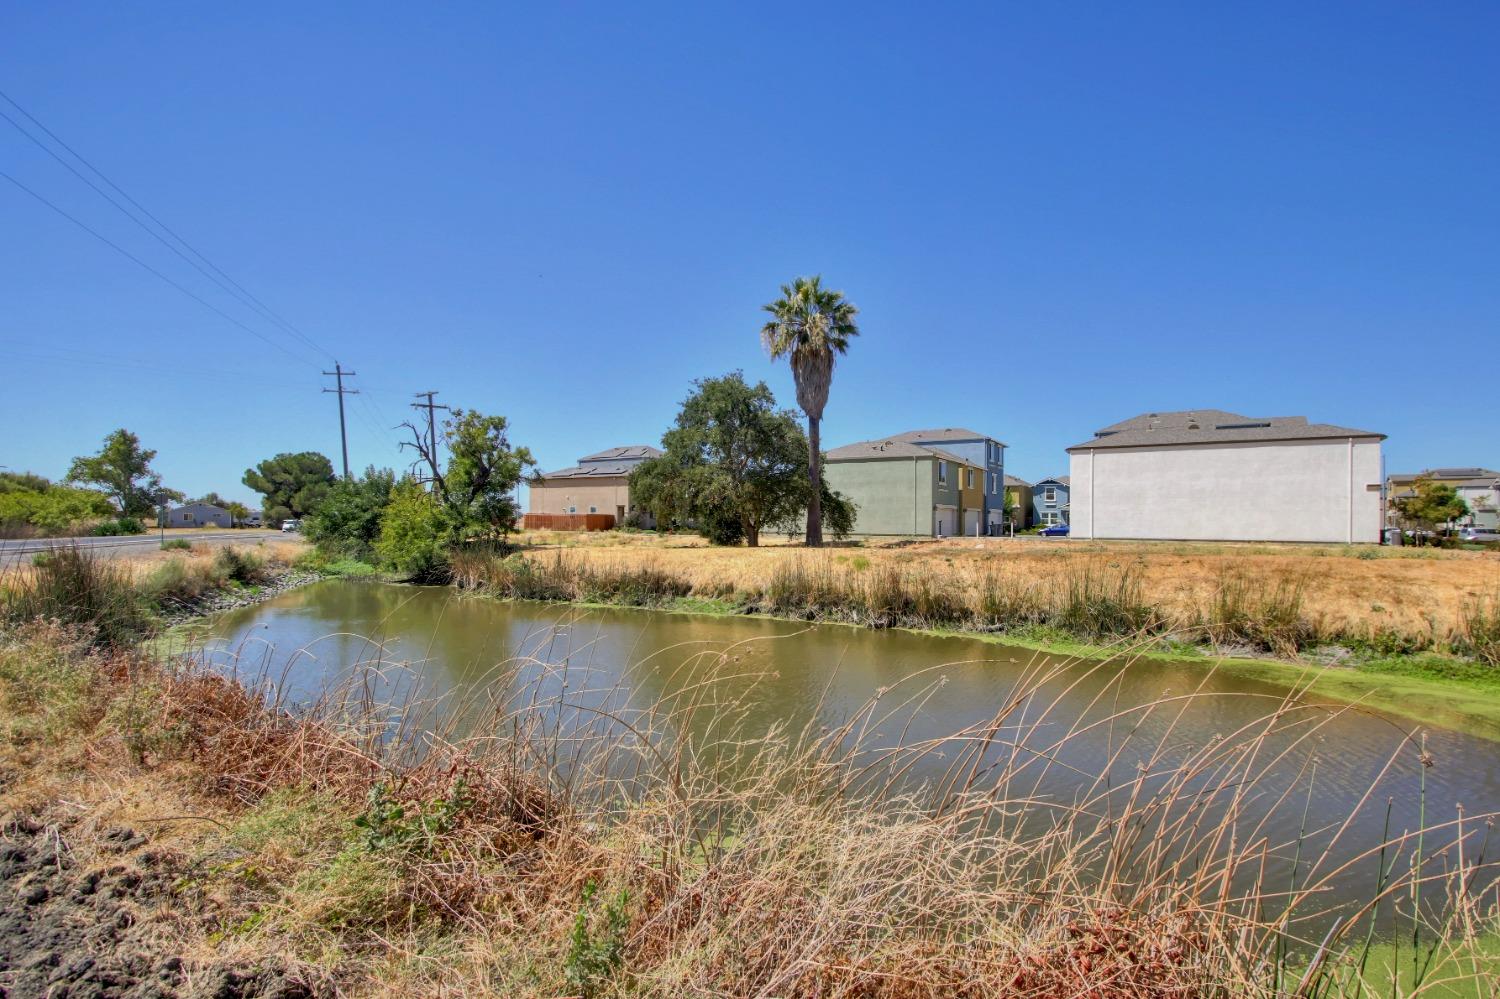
[(903, 489)]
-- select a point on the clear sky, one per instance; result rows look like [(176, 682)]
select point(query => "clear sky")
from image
[(1052, 217)]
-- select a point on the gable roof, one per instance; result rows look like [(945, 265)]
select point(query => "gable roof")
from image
[(940, 434), (889, 449), (1061, 480), (1212, 426), (1011, 480), (638, 452)]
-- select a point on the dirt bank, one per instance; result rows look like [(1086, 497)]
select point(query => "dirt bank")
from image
[(99, 922)]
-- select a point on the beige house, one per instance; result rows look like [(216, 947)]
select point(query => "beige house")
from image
[(599, 484)]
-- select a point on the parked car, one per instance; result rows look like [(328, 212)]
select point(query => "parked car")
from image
[(1479, 534), (291, 526), (1054, 531)]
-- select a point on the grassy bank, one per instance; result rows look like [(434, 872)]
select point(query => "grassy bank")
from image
[(1088, 609), (123, 602), (557, 851)]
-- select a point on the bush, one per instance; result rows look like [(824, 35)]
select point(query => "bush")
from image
[(413, 535), (242, 567), (113, 528), (58, 510), (177, 545), (347, 522)]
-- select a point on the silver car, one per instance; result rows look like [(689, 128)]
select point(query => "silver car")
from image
[(1479, 534)]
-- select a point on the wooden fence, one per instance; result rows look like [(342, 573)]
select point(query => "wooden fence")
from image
[(568, 521)]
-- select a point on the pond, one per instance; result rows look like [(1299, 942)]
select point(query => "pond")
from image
[(1327, 770)]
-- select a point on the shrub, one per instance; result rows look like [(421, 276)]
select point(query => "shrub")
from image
[(1096, 606), (112, 528), (348, 521), (177, 545), (413, 534), (242, 567)]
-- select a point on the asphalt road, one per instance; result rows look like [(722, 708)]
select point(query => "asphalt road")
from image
[(135, 543)]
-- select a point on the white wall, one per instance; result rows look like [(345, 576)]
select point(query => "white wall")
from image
[(1276, 491)]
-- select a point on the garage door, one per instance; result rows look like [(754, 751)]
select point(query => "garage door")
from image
[(971, 523)]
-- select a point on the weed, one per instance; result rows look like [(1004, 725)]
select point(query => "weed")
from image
[(176, 545), (595, 957), (74, 586)]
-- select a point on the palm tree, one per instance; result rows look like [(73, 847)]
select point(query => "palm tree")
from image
[(810, 324)]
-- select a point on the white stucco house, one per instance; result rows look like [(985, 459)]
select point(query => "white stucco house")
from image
[(1214, 476)]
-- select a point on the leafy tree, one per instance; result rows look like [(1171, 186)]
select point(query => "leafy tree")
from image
[(414, 532), (1011, 507), (733, 465), (1430, 504), (292, 484), (477, 490), (237, 511), (810, 324), (122, 471), (347, 522)]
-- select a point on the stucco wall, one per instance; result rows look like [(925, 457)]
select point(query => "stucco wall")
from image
[(894, 496), (604, 494), (1276, 491)]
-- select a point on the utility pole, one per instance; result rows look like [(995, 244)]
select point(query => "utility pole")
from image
[(339, 373), (432, 444)]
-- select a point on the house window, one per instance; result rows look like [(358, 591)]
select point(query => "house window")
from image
[(942, 473), (1051, 517), (994, 482), (187, 518), (572, 509), (593, 509), (1050, 494)]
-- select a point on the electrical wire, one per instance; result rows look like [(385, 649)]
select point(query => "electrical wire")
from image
[(141, 263), (228, 284)]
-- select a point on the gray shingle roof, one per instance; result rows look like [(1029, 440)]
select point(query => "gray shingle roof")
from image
[(1212, 426), (875, 450), (939, 434), (1061, 480), (1011, 480)]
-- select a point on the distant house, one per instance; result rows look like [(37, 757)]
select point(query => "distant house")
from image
[(599, 485), (1020, 494), (1478, 487), (982, 452), (1049, 501), (1211, 475), (199, 515), (905, 489)]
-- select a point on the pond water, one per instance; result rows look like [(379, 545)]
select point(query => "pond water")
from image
[(1082, 725)]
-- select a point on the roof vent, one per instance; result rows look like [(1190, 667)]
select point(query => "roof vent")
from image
[(1194, 426)]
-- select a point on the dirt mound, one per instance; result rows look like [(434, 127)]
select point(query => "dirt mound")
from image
[(73, 933)]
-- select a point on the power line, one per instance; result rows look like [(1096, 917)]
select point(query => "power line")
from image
[(233, 287), (141, 263)]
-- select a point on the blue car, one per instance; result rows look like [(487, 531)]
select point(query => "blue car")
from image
[(1054, 531)]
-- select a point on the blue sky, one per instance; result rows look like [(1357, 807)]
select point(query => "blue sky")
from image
[(1052, 217)]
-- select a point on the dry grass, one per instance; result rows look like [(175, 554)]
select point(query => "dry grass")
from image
[(1344, 590), (549, 840)]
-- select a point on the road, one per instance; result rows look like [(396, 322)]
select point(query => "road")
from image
[(135, 543)]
